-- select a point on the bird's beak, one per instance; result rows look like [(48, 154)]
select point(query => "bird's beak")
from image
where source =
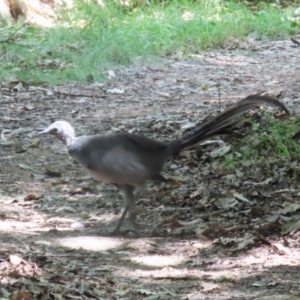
[(42, 132)]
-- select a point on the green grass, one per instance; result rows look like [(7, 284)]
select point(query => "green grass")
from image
[(271, 142), (90, 39)]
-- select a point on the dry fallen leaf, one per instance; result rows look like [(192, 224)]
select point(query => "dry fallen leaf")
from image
[(208, 286), (30, 197)]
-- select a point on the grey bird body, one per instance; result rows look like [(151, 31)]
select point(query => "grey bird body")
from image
[(128, 161), (120, 158)]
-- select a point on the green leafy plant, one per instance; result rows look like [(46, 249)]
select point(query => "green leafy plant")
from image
[(268, 140)]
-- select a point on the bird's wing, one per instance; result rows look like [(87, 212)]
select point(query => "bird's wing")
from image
[(116, 159)]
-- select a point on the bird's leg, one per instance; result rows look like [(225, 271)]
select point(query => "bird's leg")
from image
[(116, 231), (129, 198), (133, 212)]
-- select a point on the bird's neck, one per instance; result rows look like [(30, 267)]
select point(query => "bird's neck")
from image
[(68, 140)]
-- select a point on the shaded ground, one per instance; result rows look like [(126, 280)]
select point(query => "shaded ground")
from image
[(233, 236)]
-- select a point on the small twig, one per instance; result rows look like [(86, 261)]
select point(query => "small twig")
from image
[(185, 278), (263, 239), (274, 247), (215, 176), (69, 255), (237, 227), (77, 95), (80, 293), (219, 95), (8, 39)]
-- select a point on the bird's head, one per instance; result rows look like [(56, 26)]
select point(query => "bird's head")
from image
[(62, 130)]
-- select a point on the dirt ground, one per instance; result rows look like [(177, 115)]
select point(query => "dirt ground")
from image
[(209, 234)]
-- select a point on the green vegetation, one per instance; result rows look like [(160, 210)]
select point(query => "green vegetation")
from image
[(271, 142), (89, 38)]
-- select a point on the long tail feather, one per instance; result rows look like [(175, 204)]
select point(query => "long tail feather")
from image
[(224, 122)]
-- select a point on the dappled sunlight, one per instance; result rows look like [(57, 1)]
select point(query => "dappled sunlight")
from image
[(89, 243), (172, 272), (262, 258), (203, 244), (188, 16), (17, 226), (222, 269), (165, 272), (159, 260), (215, 18), (35, 208), (159, 15)]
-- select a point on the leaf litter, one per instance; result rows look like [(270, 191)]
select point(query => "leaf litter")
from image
[(211, 232)]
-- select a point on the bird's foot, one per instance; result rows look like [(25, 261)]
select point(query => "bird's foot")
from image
[(132, 216)]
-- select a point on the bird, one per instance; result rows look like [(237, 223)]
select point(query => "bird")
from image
[(128, 161)]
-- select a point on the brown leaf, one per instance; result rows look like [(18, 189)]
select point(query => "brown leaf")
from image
[(52, 173), (174, 223), (30, 197)]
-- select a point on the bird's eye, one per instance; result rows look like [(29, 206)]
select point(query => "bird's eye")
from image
[(53, 131)]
